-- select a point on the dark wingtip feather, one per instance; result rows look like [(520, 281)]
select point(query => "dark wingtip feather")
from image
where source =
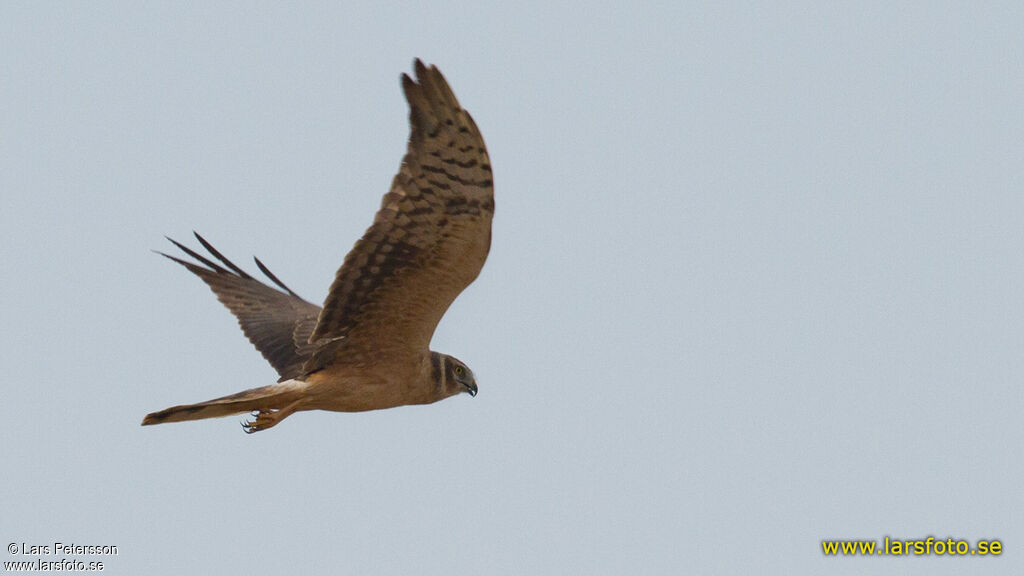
[(209, 247), (266, 271), (169, 257), (214, 267), (206, 261)]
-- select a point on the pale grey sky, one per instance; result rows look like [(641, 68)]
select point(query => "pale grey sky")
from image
[(756, 282)]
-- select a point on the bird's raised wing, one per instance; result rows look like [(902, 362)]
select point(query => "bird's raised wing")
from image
[(277, 323), (429, 239)]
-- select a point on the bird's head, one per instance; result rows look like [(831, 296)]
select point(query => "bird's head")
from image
[(452, 375)]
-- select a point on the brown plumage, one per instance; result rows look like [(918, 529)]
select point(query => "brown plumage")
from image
[(368, 347)]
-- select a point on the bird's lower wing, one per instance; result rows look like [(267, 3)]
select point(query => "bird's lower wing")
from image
[(277, 322)]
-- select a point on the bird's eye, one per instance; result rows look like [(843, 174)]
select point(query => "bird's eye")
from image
[(459, 371)]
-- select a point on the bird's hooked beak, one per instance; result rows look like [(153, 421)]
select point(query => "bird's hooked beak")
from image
[(471, 388)]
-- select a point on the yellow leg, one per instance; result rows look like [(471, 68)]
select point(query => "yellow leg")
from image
[(269, 418)]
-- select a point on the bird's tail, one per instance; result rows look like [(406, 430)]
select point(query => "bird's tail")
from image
[(273, 397)]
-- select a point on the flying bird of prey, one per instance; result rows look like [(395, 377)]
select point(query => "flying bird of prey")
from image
[(368, 347)]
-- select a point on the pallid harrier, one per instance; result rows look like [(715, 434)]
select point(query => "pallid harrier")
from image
[(368, 347)]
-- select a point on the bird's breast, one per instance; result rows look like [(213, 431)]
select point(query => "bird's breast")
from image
[(354, 389)]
